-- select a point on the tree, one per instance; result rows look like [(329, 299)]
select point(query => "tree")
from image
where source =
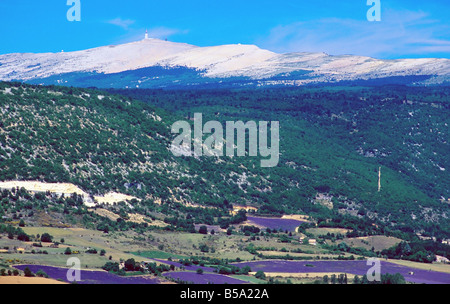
[(200, 271), (245, 270), (46, 238), (203, 229), (343, 247), (260, 275), (333, 279), (68, 251), (23, 237), (130, 265), (203, 248), (392, 279)]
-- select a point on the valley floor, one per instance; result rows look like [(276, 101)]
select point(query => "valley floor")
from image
[(161, 247)]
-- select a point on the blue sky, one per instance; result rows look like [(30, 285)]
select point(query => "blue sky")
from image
[(408, 28)]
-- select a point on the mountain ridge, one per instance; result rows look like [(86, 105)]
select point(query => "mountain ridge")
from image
[(214, 64)]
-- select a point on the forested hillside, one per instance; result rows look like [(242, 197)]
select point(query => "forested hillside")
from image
[(332, 142)]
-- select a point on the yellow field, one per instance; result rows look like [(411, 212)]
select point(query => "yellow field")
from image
[(27, 280), (298, 217), (426, 266)]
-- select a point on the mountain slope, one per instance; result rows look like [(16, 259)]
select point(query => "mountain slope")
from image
[(238, 64), (105, 142)]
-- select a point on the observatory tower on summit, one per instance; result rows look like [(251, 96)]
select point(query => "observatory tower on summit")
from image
[(146, 34)]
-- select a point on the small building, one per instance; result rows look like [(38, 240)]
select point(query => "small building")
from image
[(144, 264), (20, 250), (312, 242), (442, 259)]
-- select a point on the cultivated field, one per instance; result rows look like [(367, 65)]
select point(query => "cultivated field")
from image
[(159, 246)]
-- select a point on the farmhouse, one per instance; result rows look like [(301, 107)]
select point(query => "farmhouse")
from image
[(442, 259), (144, 264), (312, 242)]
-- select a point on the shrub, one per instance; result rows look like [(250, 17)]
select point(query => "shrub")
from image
[(27, 272), (225, 270), (41, 273), (111, 266)]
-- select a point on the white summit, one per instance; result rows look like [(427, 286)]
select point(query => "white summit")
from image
[(214, 61)]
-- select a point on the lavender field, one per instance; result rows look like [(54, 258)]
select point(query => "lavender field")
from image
[(205, 278), (189, 275), (354, 267), (90, 277), (274, 223)]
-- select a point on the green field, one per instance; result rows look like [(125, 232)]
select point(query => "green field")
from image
[(158, 255)]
